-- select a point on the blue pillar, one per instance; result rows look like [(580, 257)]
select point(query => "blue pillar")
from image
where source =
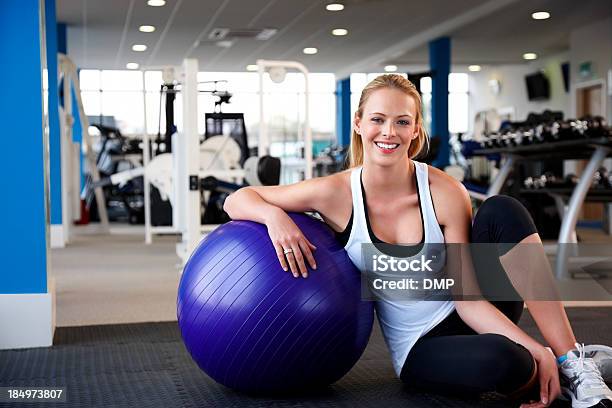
[(24, 214), (439, 61), (77, 134), (343, 112), (62, 44), (26, 301), (55, 157)]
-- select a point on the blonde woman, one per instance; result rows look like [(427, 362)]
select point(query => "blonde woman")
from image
[(387, 197)]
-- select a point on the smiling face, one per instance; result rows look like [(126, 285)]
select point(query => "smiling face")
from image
[(387, 126)]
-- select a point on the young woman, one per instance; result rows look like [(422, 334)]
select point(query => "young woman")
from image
[(387, 197)]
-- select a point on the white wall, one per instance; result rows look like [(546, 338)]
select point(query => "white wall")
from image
[(513, 91), (593, 43)]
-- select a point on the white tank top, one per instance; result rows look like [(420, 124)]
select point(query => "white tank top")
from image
[(402, 322)]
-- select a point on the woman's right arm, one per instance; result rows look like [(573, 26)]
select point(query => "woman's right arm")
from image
[(268, 205)]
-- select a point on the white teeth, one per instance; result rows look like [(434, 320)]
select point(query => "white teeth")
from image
[(386, 146)]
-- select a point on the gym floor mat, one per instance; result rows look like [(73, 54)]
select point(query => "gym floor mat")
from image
[(146, 365)]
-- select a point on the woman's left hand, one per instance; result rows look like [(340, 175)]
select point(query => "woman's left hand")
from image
[(548, 375)]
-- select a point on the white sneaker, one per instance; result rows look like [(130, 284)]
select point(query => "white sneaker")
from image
[(602, 355), (581, 381)]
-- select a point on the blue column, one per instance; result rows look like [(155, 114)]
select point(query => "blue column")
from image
[(439, 61), (62, 44), (24, 165), (343, 112), (61, 48), (55, 157)]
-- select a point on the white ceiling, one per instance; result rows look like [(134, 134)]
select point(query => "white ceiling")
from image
[(101, 33)]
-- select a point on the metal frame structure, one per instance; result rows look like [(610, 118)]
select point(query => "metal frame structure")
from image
[(264, 141), (70, 152), (567, 232)]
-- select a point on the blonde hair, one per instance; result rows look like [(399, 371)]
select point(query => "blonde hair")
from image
[(393, 81)]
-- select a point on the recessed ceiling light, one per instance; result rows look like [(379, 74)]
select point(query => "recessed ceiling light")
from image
[(139, 47), (156, 3), (266, 34), (146, 28), (132, 65), (540, 15), (339, 31), (310, 50), (224, 43), (474, 68), (252, 67), (530, 56), (390, 68), (334, 7)]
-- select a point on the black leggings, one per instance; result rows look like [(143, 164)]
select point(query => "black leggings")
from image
[(453, 358)]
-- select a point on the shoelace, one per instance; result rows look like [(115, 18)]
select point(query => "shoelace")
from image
[(588, 373)]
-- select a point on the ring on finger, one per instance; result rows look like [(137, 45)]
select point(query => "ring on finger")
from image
[(287, 251)]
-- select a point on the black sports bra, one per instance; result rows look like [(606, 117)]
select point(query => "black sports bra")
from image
[(343, 236)]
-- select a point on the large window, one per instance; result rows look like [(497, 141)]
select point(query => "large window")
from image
[(457, 102), (120, 94)]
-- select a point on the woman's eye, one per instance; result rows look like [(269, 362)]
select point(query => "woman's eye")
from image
[(377, 120), (403, 122)]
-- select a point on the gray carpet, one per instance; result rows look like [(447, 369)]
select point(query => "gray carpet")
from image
[(146, 365)]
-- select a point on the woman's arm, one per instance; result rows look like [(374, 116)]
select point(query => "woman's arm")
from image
[(454, 211), (257, 203), (268, 205)]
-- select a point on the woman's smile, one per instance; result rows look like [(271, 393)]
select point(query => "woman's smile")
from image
[(386, 148)]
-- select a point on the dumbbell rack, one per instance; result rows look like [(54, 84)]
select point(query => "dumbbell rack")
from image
[(595, 150)]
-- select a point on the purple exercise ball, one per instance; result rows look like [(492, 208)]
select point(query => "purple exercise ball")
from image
[(255, 328)]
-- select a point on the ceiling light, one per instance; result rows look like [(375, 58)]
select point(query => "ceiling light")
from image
[(390, 68), (339, 31), (156, 3), (334, 7), (530, 56), (310, 50), (225, 43), (540, 15), (139, 47), (474, 68), (146, 28), (252, 67), (266, 34), (132, 65)]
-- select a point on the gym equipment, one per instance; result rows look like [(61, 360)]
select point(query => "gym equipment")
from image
[(253, 327), (546, 180), (116, 155), (602, 178), (547, 127), (219, 160), (485, 122), (264, 140), (232, 124), (188, 168), (330, 160), (262, 171)]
